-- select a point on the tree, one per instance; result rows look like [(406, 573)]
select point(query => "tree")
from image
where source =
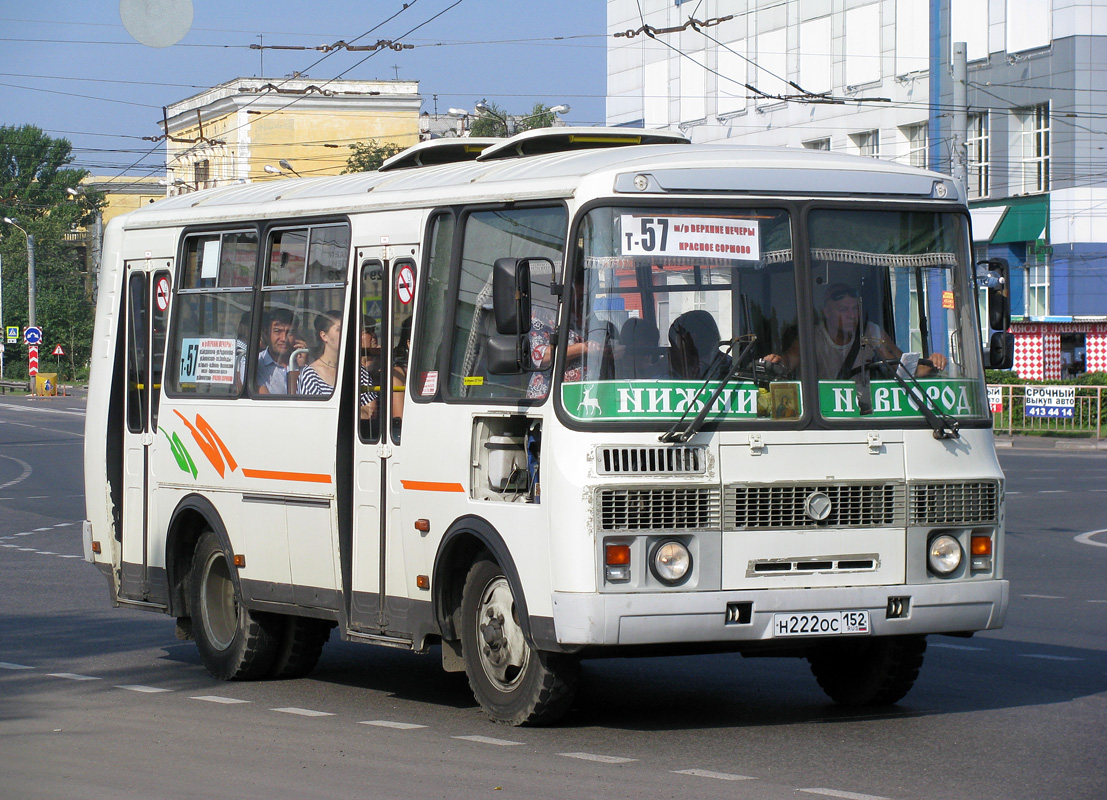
[(368, 156), (34, 191)]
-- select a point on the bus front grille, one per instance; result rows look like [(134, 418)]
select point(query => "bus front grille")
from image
[(650, 461), (965, 503), (785, 506), (659, 509)]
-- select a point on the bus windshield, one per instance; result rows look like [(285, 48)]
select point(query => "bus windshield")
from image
[(672, 309)]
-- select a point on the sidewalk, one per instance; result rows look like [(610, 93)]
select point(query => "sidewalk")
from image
[(1017, 442)]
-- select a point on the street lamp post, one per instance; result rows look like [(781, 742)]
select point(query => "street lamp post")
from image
[(484, 108), (30, 271)]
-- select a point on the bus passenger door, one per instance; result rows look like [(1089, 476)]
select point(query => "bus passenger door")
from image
[(385, 306), (147, 311)]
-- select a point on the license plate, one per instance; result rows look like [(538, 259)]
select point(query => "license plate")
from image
[(821, 623)]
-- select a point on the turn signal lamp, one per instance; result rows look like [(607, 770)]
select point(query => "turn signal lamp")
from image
[(616, 563), (96, 547), (982, 545), (239, 560)]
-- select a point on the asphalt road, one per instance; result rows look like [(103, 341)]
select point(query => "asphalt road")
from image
[(98, 702)]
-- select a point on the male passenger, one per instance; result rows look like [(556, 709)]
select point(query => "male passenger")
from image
[(281, 341)]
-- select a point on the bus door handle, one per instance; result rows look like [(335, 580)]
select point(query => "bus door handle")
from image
[(384, 450), (146, 439)]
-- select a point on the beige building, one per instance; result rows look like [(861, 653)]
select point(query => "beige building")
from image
[(243, 129)]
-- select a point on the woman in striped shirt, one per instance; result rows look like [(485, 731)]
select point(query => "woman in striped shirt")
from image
[(319, 377)]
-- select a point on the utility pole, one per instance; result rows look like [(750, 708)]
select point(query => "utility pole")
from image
[(959, 135)]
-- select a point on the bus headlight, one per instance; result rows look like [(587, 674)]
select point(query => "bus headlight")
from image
[(944, 554), (671, 562)]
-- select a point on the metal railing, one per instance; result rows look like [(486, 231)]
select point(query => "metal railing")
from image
[(1086, 420)]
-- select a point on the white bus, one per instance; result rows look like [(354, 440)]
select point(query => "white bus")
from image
[(607, 349)]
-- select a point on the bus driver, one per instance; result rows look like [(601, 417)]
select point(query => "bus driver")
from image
[(839, 352)]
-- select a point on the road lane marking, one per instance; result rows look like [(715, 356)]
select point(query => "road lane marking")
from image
[(487, 740), (955, 646), (1047, 657), (384, 723), (214, 698), (598, 758), (64, 524), (1086, 538), (70, 556), (1042, 597), (40, 530), (844, 795), (10, 665), (47, 553), (719, 776), (136, 687), (303, 712), (9, 545), (1053, 491), (72, 676), (1097, 601)]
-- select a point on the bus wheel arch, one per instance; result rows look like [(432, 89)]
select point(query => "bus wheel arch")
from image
[(190, 519), (468, 540)]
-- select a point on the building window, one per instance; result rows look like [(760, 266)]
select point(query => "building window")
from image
[(818, 144), (201, 173), (1032, 125), (979, 155), (867, 143), (1037, 295), (915, 137)]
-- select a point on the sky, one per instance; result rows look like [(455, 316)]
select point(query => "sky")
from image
[(74, 70)]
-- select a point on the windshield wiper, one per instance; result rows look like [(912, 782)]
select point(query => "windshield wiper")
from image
[(945, 426), (674, 434)]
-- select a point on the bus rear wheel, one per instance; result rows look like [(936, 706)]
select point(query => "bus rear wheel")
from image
[(868, 672), (514, 683), (234, 642), (301, 644)]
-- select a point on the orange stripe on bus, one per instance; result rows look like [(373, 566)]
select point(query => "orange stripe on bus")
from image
[(432, 486), (273, 475)]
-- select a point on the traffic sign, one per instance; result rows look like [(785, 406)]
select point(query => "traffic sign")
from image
[(32, 335), (58, 351), (13, 334), (32, 360)]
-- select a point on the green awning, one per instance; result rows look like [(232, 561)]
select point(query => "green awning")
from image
[(1024, 221)]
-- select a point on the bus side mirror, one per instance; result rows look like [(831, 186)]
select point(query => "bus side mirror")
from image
[(509, 352), (1001, 351), (994, 274), (511, 295)]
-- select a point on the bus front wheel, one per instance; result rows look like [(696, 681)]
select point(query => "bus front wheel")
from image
[(234, 643), (868, 672), (514, 683)]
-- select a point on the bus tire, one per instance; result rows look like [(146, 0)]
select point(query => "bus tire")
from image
[(514, 683), (234, 642), (869, 672), (301, 644)]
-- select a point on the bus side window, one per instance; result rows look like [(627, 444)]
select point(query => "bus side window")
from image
[(302, 298)]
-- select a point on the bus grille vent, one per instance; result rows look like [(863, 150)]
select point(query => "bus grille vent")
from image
[(954, 503), (659, 509), (650, 461), (767, 507)]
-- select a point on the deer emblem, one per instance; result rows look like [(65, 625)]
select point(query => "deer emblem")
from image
[(588, 404)]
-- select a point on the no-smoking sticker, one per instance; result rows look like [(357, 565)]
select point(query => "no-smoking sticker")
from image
[(161, 293), (405, 284)]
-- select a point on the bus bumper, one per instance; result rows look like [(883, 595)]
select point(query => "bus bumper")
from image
[(737, 616)]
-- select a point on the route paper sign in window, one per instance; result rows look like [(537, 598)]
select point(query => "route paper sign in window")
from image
[(207, 360), (711, 237)]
